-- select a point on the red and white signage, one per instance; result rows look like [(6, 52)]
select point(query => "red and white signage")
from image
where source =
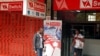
[(36, 6), (11, 6), (76, 4), (52, 36), (34, 9), (90, 4), (9, 0)]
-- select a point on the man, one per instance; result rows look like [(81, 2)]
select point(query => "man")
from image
[(38, 42), (78, 43)]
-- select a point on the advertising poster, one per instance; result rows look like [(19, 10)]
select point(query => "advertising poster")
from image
[(52, 36)]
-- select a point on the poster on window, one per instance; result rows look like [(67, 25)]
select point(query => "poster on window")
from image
[(52, 36)]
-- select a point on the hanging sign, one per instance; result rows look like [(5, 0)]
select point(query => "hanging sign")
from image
[(34, 9)]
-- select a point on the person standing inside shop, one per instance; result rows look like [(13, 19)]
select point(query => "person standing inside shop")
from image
[(78, 43), (38, 42)]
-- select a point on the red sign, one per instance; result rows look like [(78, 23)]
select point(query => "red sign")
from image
[(34, 9), (76, 4), (9, 0), (11, 6), (36, 6)]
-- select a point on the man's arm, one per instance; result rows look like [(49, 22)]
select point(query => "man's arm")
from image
[(73, 42), (34, 41), (81, 39)]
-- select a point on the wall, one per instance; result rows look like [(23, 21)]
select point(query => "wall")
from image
[(16, 34), (92, 47)]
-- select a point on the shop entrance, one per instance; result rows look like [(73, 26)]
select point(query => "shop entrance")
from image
[(88, 22), (91, 31)]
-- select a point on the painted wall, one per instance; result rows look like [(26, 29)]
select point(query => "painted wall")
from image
[(92, 47), (16, 34)]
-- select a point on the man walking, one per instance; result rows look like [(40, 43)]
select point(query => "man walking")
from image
[(78, 43)]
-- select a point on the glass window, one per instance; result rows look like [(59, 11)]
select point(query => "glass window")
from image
[(91, 18)]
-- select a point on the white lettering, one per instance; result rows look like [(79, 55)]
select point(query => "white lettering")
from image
[(15, 6), (39, 6)]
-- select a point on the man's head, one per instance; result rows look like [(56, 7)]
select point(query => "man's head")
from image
[(41, 30), (77, 31)]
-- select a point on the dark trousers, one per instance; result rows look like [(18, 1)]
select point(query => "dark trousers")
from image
[(78, 51), (39, 51)]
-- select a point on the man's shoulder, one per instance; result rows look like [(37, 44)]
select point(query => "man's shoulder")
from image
[(82, 36), (36, 34)]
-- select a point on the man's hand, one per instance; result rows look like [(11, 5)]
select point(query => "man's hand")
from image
[(70, 48), (75, 38), (35, 51)]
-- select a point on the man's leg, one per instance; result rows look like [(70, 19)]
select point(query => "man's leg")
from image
[(79, 52), (74, 53), (39, 52)]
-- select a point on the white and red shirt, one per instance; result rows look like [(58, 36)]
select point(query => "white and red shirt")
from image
[(78, 43)]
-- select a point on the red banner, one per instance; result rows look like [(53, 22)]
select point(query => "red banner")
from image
[(11, 6), (76, 4)]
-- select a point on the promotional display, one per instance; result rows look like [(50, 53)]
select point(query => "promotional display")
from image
[(76, 4), (52, 36), (34, 9), (11, 6)]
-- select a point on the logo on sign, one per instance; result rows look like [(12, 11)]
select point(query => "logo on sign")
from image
[(11, 6), (4, 6), (89, 3), (85, 3), (61, 4)]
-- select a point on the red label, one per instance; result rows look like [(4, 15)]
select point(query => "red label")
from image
[(36, 6), (53, 23), (11, 6), (15, 6), (39, 7), (89, 4)]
